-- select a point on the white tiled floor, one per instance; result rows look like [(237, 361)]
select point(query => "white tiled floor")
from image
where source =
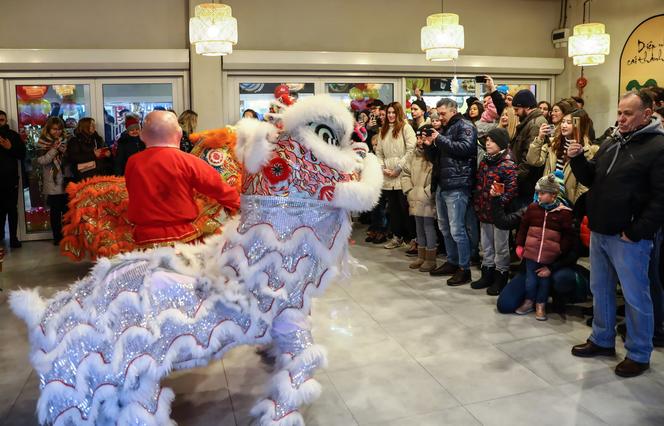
[(404, 349)]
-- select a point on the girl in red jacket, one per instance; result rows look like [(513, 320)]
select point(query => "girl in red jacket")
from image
[(545, 233)]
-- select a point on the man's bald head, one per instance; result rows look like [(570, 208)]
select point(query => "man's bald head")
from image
[(161, 128)]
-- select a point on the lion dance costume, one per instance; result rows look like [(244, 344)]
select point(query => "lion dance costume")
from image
[(102, 347)]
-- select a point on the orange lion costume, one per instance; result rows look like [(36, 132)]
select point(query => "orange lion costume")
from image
[(96, 224)]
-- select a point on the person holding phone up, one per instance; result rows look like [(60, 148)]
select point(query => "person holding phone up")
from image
[(496, 172), (551, 152), (625, 207)]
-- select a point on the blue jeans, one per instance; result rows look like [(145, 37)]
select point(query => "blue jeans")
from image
[(563, 282), (612, 259), (451, 207), (537, 288)]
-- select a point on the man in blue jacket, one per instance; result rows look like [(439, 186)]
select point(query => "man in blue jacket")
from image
[(453, 153), (625, 206)]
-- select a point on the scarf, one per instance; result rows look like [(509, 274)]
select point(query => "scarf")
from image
[(493, 159), (43, 146), (549, 206)]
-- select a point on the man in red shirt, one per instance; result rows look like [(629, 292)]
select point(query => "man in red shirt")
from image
[(161, 181)]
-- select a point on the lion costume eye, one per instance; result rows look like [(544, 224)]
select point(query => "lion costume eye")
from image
[(325, 133)]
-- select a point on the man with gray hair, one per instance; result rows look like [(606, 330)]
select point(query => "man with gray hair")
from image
[(454, 154), (625, 207), (161, 181)]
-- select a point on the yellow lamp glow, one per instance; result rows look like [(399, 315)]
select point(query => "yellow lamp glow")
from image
[(589, 44), (212, 30), (442, 38)]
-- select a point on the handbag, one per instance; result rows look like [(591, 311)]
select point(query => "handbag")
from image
[(86, 167)]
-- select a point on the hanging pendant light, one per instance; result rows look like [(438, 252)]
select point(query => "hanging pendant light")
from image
[(442, 38), (213, 30), (589, 44)]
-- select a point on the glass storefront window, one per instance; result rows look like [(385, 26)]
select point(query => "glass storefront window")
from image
[(356, 96), (259, 96), (436, 88), (35, 104), (137, 98)]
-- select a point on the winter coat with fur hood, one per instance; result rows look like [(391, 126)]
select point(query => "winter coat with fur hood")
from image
[(416, 184)]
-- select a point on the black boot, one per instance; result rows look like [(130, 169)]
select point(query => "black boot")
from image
[(485, 280), (499, 282)]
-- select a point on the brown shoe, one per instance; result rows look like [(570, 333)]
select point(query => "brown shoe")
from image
[(590, 350), (460, 277), (420, 259), (445, 269), (540, 312), (429, 260), (629, 368)]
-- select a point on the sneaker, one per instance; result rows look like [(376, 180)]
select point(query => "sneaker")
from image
[(395, 242), (540, 312), (526, 307), (460, 277), (412, 249)]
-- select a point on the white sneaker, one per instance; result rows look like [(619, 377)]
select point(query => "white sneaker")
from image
[(395, 242)]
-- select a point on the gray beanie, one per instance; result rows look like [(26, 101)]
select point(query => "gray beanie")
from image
[(548, 183)]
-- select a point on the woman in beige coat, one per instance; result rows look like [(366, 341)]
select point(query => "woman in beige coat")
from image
[(552, 153), (396, 140), (416, 184)]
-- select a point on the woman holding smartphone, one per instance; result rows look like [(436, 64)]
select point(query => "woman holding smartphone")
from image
[(86, 152), (552, 153)]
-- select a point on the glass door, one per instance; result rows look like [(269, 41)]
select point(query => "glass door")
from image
[(121, 97), (33, 102)]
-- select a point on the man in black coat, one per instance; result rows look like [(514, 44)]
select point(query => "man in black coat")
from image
[(625, 207), (453, 153), (12, 150)]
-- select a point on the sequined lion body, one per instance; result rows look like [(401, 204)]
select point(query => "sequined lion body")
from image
[(102, 347)]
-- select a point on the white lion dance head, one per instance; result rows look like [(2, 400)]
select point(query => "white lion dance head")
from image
[(102, 346)]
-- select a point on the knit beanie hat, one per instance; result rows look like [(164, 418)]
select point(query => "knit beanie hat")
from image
[(548, 183), (500, 137), (132, 122), (421, 104), (524, 98)]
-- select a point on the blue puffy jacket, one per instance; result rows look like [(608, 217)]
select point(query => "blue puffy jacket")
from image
[(454, 156)]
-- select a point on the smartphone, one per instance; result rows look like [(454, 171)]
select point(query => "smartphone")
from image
[(480, 78), (576, 124), (499, 187)]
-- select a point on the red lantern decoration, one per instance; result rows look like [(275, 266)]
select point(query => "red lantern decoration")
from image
[(31, 93), (281, 90)]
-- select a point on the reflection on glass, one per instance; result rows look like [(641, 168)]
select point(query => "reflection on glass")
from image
[(259, 97), (434, 89), (357, 96), (35, 104), (137, 99)]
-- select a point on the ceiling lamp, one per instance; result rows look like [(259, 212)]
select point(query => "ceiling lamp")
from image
[(590, 43), (442, 38), (212, 30)]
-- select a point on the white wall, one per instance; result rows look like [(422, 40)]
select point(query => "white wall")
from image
[(93, 24), (495, 28), (602, 93)]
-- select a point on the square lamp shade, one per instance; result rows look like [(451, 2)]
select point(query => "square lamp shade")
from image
[(212, 30), (589, 44), (442, 38)]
